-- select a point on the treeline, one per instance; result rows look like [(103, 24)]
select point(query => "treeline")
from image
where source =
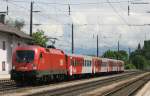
[(120, 55), (138, 59), (141, 56)]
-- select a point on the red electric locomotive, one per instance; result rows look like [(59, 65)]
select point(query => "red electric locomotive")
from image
[(30, 62)]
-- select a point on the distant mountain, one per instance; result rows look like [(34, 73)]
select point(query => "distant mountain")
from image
[(92, 51)]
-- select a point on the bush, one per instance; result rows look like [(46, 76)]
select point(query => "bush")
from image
[(139, 61), (130, 66)]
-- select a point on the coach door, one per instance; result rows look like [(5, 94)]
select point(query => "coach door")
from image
[(41, 61), (94, 62), (87, 66), (110, 66)]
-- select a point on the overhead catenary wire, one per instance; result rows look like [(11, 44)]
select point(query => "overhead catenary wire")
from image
[(117, 13), (65, 11), (78, 3)]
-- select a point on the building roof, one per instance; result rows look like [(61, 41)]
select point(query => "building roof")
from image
[(11, 30)]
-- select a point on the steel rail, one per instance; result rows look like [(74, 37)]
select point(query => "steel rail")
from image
[(129, 88)]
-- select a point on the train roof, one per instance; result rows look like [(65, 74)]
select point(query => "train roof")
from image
[(32, 47), (27, 47), (108, 59), (82, 55)]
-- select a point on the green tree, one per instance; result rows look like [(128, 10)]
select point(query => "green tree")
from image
[(121, 55), (109, 54), (139, 61), (139, 46), (39, 38), (130, 66), (19, 24)]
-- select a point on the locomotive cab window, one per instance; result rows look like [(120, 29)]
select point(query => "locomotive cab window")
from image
[(24, 56)]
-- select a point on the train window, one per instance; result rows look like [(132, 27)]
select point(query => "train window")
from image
[(3, 66), (85, 63), (71, 62), (90, 63), (74, 63), (104, 64), (77, 63), (4, 45)]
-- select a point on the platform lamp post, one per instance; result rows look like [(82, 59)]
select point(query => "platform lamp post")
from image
[(118, 46), (97, 46)]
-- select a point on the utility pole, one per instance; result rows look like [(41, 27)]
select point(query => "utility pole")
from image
[(72, 39), (72, 29), (31, 18), (97, 47), (129, 54), (69, 9), (118, 50), (128, 8), (118, 46)]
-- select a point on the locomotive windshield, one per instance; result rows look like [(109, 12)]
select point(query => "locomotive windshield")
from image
[(24, 56)]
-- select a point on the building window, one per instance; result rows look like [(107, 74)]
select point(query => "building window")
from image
[(4, 45), (18, 44), (3, 66)]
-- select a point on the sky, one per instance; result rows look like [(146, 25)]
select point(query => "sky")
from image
[(108, 19)]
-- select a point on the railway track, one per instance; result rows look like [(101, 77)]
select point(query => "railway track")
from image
[(7, 85), (85, 87), (130, 88), (10, 85)]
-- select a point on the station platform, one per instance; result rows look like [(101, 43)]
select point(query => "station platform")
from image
[(4, 76), (145, 91)]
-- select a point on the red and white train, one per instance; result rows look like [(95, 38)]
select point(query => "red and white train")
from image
[(32, 62)]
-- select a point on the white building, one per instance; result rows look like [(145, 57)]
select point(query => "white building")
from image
[(9, 38)]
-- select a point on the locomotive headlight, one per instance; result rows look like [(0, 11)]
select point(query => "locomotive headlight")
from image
[(34, 66), (13, 67)]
